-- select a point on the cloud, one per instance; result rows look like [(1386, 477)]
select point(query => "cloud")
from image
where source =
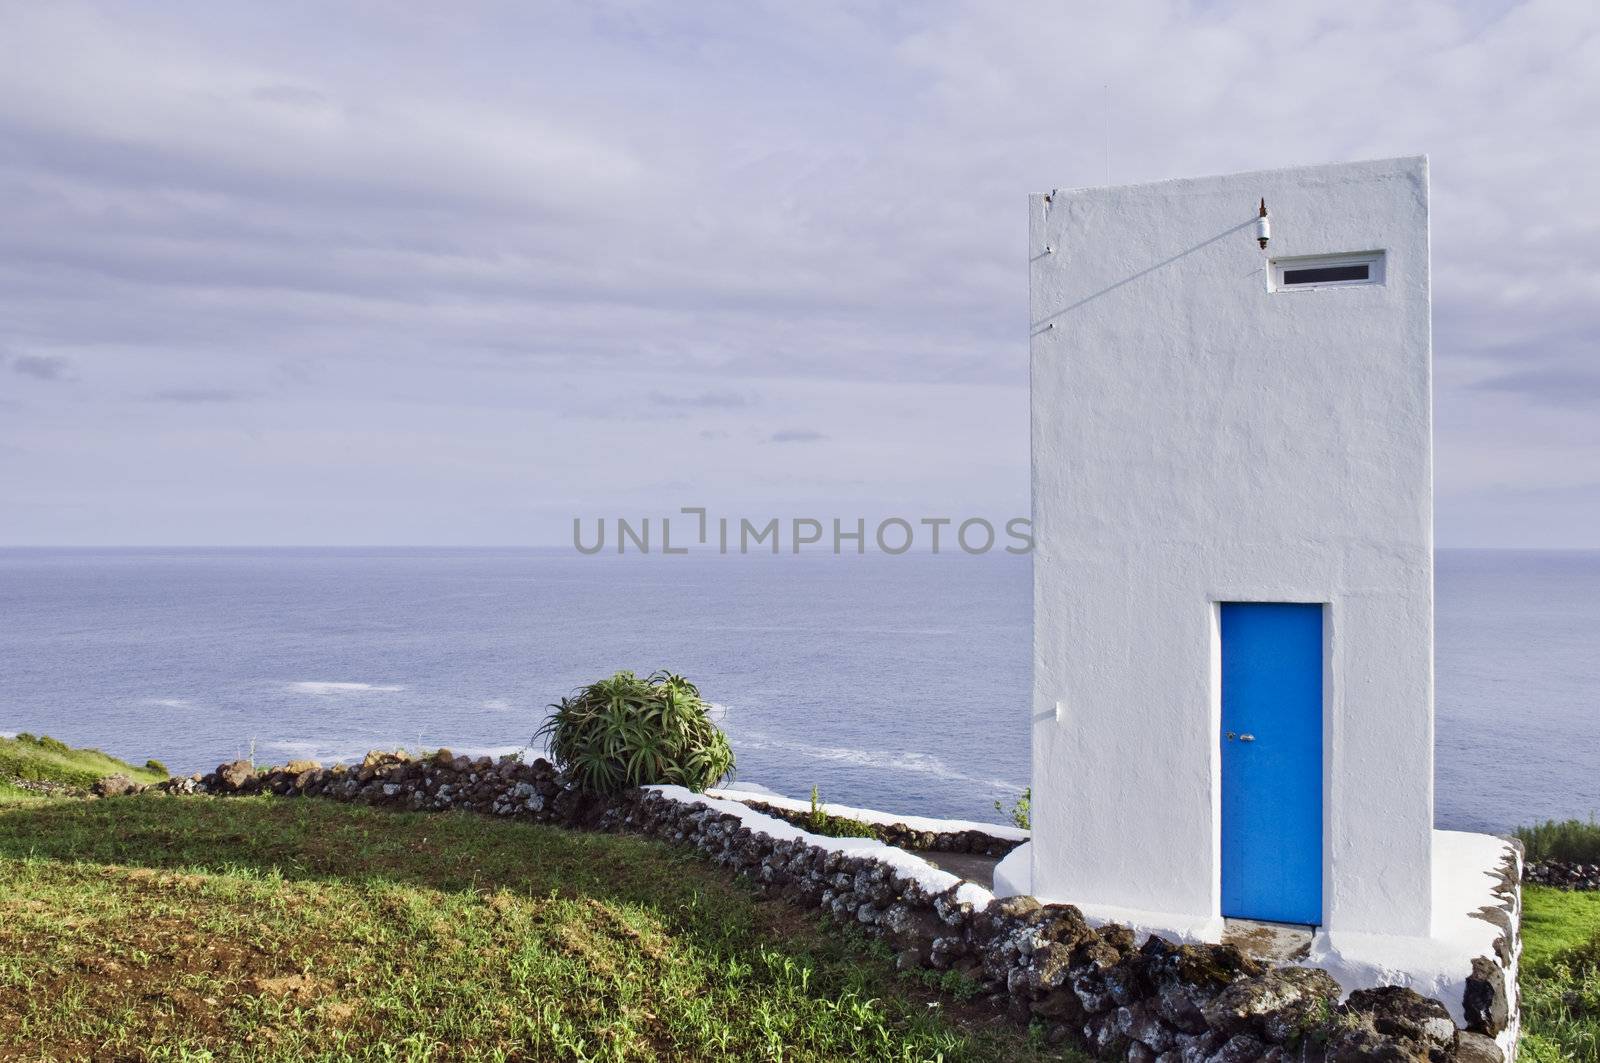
[(199, 396), (704, 400), (299, 96), (463, 225), (41, 366), (1556, 386), (796, 435)]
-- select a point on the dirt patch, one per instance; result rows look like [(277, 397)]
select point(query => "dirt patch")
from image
[(173, 977), (298, 988)]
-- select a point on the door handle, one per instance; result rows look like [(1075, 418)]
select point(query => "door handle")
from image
[(1247, 738)]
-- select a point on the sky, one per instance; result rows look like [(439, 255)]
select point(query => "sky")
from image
[(438, 274)]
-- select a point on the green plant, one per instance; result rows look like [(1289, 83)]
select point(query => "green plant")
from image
[(829, 825), (1021, 812), (46, 759), (156, 766), (1560, 976), (1572, 841), (626, 731)]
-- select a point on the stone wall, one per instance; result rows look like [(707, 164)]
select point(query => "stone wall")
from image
[(1563, 875), (1098, 989), (1491, 1000)]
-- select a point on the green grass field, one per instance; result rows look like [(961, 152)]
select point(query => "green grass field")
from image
[(1560, 975), (167, 928), (190, 929)]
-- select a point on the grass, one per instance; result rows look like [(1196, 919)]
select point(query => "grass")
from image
[(168, 928), (1560, 975), (820, 821), (46, 759), (1572, 841)]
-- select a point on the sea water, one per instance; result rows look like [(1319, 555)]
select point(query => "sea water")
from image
[(899, 683)]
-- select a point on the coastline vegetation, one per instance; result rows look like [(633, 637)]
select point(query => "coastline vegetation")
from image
[(626, 731), (1572, 841), (42, 759), (821, 821), (1021, 811)]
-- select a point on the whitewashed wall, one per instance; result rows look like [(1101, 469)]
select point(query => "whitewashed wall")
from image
[(1198, 438)]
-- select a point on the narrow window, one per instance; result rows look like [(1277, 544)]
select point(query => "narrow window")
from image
[(1327, 271), (1323, 274)]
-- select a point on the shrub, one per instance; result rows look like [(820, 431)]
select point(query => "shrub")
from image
[(832, 826), (1021, 813), (1573, 841), (626, 731), (156, 766)]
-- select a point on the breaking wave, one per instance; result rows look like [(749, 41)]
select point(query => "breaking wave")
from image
[(326, 689), (877, 759), (167, 703)]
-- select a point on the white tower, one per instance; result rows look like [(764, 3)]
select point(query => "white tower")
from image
[(1233, 576)]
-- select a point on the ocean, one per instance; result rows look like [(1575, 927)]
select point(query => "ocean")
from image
[(899, 683)]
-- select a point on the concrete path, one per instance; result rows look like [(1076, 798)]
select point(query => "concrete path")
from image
[(975, 868)]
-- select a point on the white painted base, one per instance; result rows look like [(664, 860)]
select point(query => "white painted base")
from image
[(1013, 877), (910, 865), (1465, 872)]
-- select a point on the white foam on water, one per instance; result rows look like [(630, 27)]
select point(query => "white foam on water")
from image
[(311, 751), (495, 752), (320, 688), (167, 703), (877, 759), (497, 704), (752, 788)]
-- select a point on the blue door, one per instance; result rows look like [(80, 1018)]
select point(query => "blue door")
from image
[(1272, 761)]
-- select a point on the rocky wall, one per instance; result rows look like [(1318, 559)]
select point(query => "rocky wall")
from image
[(1563, 875)]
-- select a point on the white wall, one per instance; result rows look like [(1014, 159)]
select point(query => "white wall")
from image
[(1198, 438)]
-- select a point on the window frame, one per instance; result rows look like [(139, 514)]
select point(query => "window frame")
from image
[(1375, 261)]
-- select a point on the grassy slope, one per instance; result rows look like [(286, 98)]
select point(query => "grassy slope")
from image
[(187, 928), (1560, 976), (46, 760)]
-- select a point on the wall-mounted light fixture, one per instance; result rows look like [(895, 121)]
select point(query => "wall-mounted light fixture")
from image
[(1263, 226)]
